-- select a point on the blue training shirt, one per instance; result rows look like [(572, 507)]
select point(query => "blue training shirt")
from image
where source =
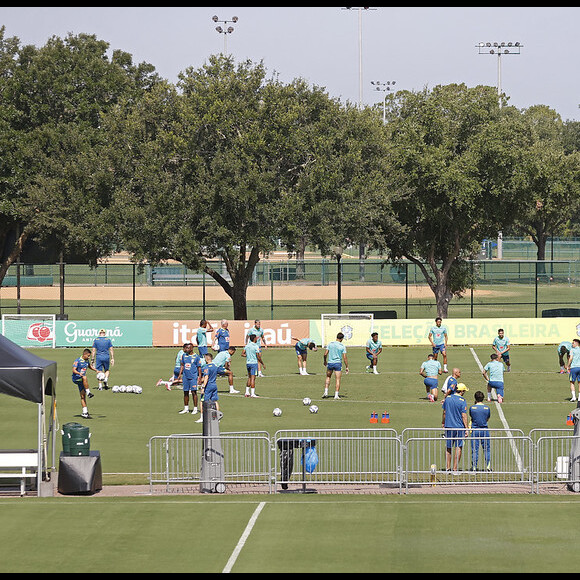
[(479, 414), (454, 407)]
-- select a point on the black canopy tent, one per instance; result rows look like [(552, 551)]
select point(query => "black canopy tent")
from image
[(32, 378)]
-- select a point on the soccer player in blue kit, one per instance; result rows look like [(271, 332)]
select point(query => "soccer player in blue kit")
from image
[(103, 356), (438, 338), (201, 335), (495, 377), (334, 355), (501, 345), (573, 367), (79, 378), (253, 358), (209, 390), (190, 374), (301, 349), (222, 337), (430, 369), (222, 361)]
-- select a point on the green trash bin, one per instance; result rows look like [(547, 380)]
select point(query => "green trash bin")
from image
[(66, 428), (80, 440)]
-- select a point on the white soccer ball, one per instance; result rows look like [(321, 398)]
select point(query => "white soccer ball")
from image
[(137, 389), (122, 388), (129, 389), (277, 412), (101, 376), (115, 388), (306, 401), (313, 409)]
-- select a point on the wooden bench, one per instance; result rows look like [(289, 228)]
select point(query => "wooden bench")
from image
[(19, 464)]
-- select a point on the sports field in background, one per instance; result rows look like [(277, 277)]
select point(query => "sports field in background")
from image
[(277, 532)]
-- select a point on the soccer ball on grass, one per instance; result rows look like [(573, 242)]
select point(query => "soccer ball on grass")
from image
[(306, 401), (313, 409), (277, 412)]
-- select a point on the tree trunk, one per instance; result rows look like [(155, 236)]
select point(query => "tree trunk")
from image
[(239, 300), (240, 272), (442, 298)]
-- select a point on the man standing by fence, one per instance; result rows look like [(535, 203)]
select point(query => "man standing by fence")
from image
[(479, 414), (454, 422)]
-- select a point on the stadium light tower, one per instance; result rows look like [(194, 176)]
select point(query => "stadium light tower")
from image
[(360, 74), (499, 48), (225, 31), (385, 88)]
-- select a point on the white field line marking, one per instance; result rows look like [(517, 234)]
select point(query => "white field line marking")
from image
[(243, 538), (502, 417)]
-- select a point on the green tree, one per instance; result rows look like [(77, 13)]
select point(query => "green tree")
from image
[(54, 187), (223, 166), (547, 180), (453, 151)]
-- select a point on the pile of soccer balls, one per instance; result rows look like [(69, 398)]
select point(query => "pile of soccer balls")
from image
[(306, 401), (128, 389)]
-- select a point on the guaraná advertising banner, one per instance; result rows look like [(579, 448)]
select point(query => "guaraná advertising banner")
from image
[(121, 332)]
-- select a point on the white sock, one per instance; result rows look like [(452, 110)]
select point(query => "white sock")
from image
[(253, 390), (87, 391), (85, 410), (195, 409)]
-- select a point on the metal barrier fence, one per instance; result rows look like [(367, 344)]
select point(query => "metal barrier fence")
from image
[(552, 456), (373, 457), (492, 456), (361, 456), (177, 458)]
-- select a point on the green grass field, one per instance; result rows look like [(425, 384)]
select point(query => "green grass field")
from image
[(293, 533)]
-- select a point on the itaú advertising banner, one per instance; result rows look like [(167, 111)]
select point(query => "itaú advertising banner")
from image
[(276, 332), (479, 331)]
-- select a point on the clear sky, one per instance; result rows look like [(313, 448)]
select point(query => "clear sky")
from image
[(416, 47)]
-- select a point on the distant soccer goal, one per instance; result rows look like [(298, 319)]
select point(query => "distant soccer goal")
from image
[(356, 328), (30, 330)]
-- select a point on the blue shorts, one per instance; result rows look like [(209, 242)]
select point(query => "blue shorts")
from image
[(189, 383), (210, 394), (79, 384), (454, 437), (334, 366), (370, 356), (300, 351), (438, 348), (574, 374), (202, 350), (497, 385), (102, 364), (505, 356), (431, 383), (176, 372), (252, 368), (221, 371)]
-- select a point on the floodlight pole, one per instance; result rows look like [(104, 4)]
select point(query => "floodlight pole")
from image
[(360, 74), (385, 88), (499, 48), (225, 31)]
